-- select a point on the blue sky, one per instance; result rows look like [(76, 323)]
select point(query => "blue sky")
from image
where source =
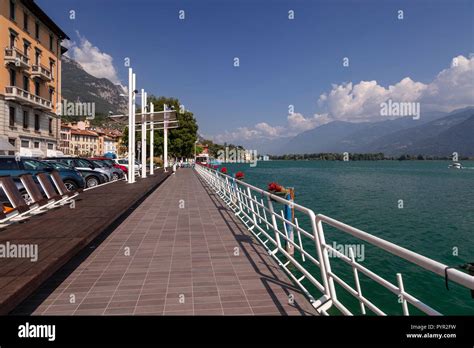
[(282, 61)]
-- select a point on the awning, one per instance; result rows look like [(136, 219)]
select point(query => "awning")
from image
[(31, 152), (5, 145)]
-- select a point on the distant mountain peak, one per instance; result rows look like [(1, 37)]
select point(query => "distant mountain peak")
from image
[(436, 133), (78, 84)]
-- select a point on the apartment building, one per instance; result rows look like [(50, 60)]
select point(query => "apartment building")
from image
[(82, 139), (84, 143), (65, 139), (30, 79)]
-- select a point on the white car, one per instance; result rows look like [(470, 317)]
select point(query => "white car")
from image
[(124, 162)]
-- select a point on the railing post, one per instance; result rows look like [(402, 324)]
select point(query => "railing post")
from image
[(357, 281), (252, 206), (274, 222), (401, 294), (323, 257)]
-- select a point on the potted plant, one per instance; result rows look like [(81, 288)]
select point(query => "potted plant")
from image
[(224, 170)]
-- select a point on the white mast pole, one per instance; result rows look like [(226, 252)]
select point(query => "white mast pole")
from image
[(132, 168), (130, 122), (152, 155), (165, 138), (144, 102)]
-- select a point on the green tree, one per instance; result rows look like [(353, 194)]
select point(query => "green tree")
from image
[(181, 140)]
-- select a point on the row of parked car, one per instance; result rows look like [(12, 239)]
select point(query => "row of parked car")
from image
[(76, 173)]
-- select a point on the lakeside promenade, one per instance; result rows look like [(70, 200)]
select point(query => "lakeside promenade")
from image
[(181, 252)]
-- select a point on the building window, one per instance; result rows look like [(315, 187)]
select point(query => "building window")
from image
[(37, 122), (50, 146), (12, 77), (25, 119), (25, 143), (26, 83), (37, 57), (51, 48), (12, 116), (37, 88), (51, 91), (36, 144), (12, 9), (37, 31), (26, 45), (50, 126), (25, 21), (12, 40), (51, 68)]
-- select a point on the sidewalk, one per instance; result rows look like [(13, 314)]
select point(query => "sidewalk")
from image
[(181, 252)]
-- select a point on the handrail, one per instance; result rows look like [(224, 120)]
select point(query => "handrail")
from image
[(264, 223)]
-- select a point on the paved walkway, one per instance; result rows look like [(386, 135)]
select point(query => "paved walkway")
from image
[(180, 253)]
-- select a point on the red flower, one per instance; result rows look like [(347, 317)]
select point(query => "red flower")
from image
[(273, 186), (224, 170), (239, 175)]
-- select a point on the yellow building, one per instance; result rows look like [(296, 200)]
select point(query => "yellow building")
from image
[(84, 143), (30, 79)]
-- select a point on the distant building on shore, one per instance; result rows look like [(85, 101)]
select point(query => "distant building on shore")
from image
[(30, 79), (83, 139)]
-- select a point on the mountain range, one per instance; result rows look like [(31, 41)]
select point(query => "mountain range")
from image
[(80, 86), (435, 133)]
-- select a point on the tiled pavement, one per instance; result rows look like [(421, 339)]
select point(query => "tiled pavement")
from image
[(180, 253)]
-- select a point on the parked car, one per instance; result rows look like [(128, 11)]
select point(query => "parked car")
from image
[(111, 162), (124, 162), (10, 165), (82, 163), (115, 173), (91, 177)]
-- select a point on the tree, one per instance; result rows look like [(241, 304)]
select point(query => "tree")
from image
[(181, 140)]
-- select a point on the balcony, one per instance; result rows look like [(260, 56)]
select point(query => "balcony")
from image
[(15, 57), (41, 72), (26, 98)]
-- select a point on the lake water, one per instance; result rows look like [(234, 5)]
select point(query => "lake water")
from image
[(436, 220)]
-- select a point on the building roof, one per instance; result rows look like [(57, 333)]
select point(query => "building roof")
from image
[(84, 132), (42, 16)]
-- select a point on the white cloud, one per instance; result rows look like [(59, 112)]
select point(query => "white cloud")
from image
[(92, 59), (452, 88), (361, 102), (296, 123)]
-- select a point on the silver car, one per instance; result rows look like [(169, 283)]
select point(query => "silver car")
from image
[(114, 173), (83, 164)]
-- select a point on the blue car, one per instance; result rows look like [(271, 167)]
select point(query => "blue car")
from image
[(12, 166)]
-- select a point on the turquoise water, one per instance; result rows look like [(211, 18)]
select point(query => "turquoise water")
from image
[(437, 219)]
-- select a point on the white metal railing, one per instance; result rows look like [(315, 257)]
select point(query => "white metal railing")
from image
[(255, 207)]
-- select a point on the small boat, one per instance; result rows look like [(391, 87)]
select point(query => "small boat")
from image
[(455, 165)]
